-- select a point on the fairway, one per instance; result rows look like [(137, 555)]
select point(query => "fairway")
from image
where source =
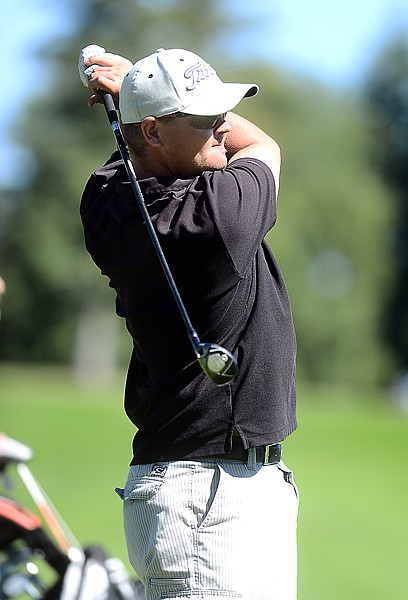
[(350, 457)]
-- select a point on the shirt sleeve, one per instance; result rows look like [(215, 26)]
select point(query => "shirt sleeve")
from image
[(242, 201)]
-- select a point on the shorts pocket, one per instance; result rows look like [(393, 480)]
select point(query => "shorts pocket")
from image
[(169, 585), (142, 486)]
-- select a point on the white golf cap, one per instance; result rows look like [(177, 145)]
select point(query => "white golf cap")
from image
[(176, 80)]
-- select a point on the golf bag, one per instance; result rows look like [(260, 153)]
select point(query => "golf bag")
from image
[(35, 565)]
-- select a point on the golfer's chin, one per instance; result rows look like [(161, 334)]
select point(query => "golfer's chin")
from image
[(217, 159), (213, 160)]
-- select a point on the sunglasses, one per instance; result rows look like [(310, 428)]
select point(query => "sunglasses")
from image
[(201, 121)]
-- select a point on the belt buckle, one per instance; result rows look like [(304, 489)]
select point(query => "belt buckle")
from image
[(268, 455)]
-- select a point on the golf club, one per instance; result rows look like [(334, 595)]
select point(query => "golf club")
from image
[(63, 536), (14, 452), (220, 366)]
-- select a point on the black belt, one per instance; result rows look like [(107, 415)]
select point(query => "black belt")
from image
[(267, 455)]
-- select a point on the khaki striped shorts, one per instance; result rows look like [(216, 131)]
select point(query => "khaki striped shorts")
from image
[(212, 529)]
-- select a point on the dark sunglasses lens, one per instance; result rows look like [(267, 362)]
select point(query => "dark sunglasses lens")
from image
[(205, 122)]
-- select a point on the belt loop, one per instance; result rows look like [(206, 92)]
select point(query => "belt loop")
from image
[(266, 455), (251, 462)]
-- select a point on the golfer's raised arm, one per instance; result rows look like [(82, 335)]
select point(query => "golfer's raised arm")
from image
[(247, 140)]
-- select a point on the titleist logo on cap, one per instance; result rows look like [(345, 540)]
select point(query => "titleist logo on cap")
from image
[(197, 73)]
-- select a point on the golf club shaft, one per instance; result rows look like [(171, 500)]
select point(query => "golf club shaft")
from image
[(48, 512), (113, 119)]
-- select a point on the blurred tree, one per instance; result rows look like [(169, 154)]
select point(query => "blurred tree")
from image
[(387, 100), (51, 278)]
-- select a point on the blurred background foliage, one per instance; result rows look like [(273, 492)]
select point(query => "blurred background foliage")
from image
[(342, 232), (341, 240)]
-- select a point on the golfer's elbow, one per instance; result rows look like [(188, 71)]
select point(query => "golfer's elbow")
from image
[(268, 151)]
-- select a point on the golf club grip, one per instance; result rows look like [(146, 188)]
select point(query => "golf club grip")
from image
[(110, 107), (113, 119)]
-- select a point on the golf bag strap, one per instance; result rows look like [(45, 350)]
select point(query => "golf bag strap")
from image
[(17, 514)]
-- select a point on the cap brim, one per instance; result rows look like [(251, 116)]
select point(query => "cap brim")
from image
[(223, 98)]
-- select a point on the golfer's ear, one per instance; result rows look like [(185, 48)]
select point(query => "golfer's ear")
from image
[(150, 129)]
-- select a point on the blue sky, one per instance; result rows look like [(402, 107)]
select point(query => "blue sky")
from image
[(333, 42)]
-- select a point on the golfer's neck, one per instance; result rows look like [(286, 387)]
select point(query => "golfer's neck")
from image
[(148, 166)]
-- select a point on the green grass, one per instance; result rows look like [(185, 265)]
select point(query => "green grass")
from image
[(82, 444), (350, 457)]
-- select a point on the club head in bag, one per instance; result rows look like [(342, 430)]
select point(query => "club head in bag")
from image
[(217, 363)]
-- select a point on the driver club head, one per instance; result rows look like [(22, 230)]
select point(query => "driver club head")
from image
[(217, 363)]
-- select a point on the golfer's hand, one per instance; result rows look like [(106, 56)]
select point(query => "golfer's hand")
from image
[(108, 73)]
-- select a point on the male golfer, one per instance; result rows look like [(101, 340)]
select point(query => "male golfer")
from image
[(210, 509)]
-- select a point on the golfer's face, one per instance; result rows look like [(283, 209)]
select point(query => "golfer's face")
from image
[(191, 151)]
